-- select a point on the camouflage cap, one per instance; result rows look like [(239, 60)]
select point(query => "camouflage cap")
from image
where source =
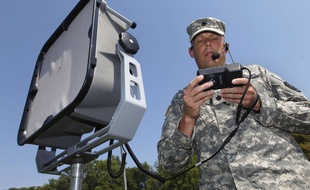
[(205, 24)]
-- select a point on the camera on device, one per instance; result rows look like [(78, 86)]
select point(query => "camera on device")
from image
[(221, 76)]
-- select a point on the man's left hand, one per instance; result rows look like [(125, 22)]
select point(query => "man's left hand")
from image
[(234, 94)]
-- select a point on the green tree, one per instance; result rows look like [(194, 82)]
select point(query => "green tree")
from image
[(188, 180), (98, 177), (136, 179), (304, 143)]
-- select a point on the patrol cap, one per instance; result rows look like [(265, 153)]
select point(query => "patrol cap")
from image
[(205, 24)]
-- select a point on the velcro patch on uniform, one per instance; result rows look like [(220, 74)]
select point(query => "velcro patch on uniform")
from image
[(291, 87)]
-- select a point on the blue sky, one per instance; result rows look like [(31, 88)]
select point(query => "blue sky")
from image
[(273, 34)]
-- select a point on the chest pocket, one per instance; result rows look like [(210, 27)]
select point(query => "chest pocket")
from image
[(206, 119)]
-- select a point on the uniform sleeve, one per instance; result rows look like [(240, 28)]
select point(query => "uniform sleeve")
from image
[(282, 105), (174, 148)]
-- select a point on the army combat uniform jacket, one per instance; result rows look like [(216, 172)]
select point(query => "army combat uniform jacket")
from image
[(261, 155)]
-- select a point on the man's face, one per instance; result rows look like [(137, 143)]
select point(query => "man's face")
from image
[(204, 45)]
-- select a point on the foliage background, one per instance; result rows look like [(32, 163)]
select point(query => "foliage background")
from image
[(98, 178)]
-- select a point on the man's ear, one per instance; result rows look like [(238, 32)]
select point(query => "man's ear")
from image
[(190, 51)]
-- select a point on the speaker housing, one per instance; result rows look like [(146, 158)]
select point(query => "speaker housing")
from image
[(81, 82)]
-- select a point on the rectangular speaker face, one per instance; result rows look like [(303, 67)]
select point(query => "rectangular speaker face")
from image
[(59, 74), (75, 85), (63, 70)]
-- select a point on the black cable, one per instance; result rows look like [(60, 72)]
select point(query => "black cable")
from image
[(163, 180), (231, 56), (139, 165), (121, 170), (226, 141), (248, 110), (238, 122)]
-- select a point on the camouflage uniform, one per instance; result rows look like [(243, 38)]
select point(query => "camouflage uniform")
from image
[(261, 155)]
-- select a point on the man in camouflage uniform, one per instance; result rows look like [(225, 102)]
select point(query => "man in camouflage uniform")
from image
[(262, 154)]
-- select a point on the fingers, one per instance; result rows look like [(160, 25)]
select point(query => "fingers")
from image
[(195, 83), (240, 81), (194, 89), (235, 94), (195, 95), (235, 98)]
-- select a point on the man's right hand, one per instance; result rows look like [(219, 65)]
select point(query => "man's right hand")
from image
[(194, 96)]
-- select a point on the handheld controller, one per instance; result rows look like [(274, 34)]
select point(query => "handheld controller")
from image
[(221, 76)]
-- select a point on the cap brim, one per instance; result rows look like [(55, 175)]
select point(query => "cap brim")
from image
[(220, 32)]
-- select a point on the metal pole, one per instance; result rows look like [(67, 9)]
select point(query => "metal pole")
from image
[(125, 179), (77, 174)]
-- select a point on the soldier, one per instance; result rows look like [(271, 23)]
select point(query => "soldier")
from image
[(258, 153)]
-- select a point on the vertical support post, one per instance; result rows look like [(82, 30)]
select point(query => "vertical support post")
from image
[(124, 172), (77, 174)]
